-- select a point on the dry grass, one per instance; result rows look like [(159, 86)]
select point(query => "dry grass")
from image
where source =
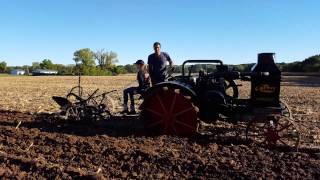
[(33, 94)]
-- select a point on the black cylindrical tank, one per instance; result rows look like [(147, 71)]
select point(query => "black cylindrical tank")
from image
[(265, 90)]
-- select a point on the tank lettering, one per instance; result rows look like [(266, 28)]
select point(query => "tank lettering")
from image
[(265, 88)]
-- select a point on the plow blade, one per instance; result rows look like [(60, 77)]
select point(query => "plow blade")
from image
[(63, 102)]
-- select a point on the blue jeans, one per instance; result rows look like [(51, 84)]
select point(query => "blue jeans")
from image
[(130, 92)]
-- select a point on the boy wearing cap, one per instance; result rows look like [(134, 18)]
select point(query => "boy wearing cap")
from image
[(144, 83)]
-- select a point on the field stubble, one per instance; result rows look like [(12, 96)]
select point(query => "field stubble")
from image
[(30, 147), (33, 94)]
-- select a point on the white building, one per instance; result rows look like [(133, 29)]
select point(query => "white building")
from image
[(44, 72), (17, 72)]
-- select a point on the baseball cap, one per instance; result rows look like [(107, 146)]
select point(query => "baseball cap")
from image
[(140, 62)]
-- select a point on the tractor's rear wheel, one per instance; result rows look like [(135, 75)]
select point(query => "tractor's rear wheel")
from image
[(169, 110)]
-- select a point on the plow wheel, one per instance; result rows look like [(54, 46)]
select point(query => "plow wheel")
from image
[(75, 94), (168, 110), (73, 113), (105, 103)]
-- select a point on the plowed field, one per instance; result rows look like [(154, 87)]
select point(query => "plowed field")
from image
[(35, 145)]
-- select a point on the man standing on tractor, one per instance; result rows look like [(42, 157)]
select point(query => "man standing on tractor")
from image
[(144, 83), (157, 64)]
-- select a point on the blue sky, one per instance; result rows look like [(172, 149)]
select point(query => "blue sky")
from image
[(231, 30)]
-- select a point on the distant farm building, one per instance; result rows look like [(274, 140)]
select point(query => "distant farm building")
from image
[(44, 72), (17, 72)]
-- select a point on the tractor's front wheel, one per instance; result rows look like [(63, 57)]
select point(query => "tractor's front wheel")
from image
[(169, 110), (276, 130)]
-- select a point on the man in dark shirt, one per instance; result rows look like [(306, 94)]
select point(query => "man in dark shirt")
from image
[(157, 64), (144, 83)]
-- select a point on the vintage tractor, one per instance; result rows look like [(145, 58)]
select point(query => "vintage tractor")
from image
[(177, 106)]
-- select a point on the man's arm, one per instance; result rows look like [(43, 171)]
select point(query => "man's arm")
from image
[(169, 59), (150, 68)]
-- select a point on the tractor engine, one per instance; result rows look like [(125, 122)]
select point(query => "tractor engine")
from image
[(265, 90), (211, 96)]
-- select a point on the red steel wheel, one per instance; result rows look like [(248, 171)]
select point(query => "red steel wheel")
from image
[(282, 131), (168, 111)]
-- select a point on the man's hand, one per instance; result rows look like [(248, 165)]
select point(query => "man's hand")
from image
[(170, 71), (171, 63)]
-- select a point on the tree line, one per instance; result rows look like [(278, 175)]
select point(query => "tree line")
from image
[(102, 63), (98, 63), (310, 64)]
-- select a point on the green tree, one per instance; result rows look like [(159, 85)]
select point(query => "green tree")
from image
[(69, 70), (85, 56), (9, 69), (243, 67), (35, 65), (106, 60), (292, 67), (46, 64), (3, 67), (311, 64), (130, 68), (119, 70)]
